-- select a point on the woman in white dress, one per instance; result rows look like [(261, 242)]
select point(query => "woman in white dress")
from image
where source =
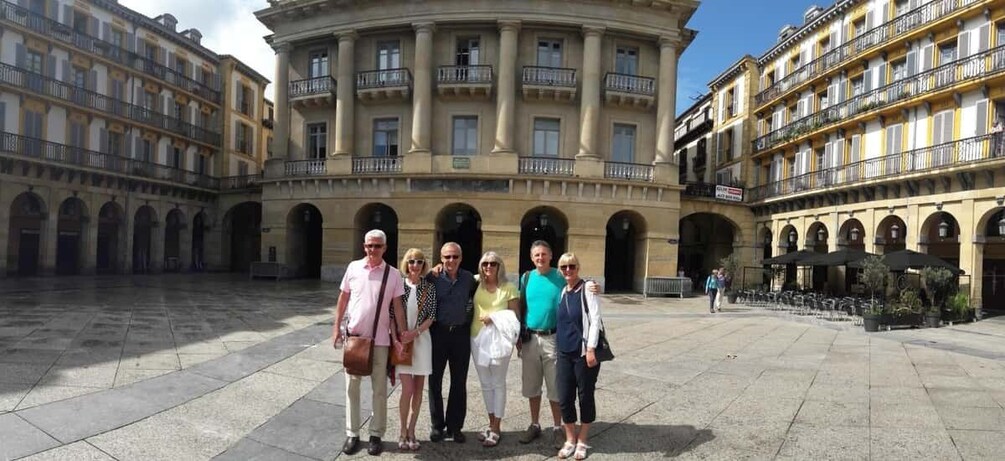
[(420, 308)]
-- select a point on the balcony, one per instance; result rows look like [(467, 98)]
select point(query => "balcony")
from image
[(904, 165), (73, 157), (546, 166), (384, 85), (40, 84), (718, 192), (464, 81), (21, 17), (313, 167), (880, 35), (549, 83), (629, 90), (241, 183), (312, 92), (376, 165), (976, 67), (629, 171)]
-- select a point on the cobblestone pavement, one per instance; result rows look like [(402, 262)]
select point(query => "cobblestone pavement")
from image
[(201, 367)]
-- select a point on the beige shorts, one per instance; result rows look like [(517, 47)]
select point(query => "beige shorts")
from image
[(539, 355)]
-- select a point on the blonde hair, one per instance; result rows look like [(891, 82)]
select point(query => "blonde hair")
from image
[(413, 253), (491, 256), (568, 258)]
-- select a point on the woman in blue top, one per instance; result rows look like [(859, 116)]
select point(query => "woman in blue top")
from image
[(577, 368), (712, 288)]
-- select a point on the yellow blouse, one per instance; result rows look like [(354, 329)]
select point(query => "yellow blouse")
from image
[(487, 303)]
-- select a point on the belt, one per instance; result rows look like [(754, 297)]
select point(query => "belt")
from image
[(451, 328), (542, 332)]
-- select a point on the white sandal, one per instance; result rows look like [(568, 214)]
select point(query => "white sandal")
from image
[(581, 451), (567, 449), (491, 440)]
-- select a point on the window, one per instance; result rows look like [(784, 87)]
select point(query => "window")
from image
[(116, 38), (821, 162), (894, 146), (177, 159), (317, 64), (623, 149), (468, 52), (388, 55), (859, 27), (146, 150), (769, 79), (901, 7), (731, 103), (268, 146), (36, 6), (33, 61), (794, 63), (385, 137), (942, 137), (180, 66), (822, 100), (114, 147), (947, 53), (149, 100), (244, 100), (465, 136), (150, 50), (626, 60), (317, 140), (78, 77), (243, 138), (825, 45), (200, 164), (1000, 32), (857, 86), (79, 22), (546, 132), (78, 135), (725, 146), (549, 53), (179, 111), (898, 70)]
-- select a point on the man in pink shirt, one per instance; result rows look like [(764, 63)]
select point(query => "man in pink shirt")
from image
[(360, 292)]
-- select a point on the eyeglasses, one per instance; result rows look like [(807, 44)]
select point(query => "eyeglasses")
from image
[(374, 246), (416, 261), (490, 264), (568, 267), (449, 257)]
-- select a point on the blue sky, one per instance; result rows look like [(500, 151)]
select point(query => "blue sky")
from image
[(728, 29)]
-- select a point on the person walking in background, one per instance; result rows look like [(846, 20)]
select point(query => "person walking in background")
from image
[(720, 288), (494, 295), (712, 289), (419, 303), (578, 332), (451, 345)]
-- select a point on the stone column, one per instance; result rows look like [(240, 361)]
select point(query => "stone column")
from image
[(422, 100), (281, 140), (589, 108), (49, 236), (506, 99), (345, 94), (666, 99)]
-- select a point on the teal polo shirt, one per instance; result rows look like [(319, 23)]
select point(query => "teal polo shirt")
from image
[(543, 293)]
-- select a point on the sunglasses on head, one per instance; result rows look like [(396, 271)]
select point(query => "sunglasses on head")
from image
[(416, 261), (450, 257), (490, 264), (569, 267), (373, 246)]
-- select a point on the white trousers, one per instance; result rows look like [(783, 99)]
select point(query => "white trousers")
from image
[(493, 380), (718, 299), (378, 382)]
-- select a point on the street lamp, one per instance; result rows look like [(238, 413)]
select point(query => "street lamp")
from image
[(624, 224), (307, 215), (459, 217), (821, 235), (1001, 226), (854, 234), (943, 229), (377, 217), (544, 220), (894, 232), (792, 236), (767, 238)]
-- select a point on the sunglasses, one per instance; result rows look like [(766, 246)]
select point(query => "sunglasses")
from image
[(416, 261), (568, 267), (490, 264), (450, 257), (374, 246)]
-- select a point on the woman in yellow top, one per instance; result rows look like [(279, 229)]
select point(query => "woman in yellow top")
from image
[(494, 294)]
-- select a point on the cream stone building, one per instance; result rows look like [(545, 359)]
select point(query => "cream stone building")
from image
[(485, 122), (878, 126), (113, 156)]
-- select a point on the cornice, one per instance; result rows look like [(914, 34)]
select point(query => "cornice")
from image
[(823, 18), (732, 71)]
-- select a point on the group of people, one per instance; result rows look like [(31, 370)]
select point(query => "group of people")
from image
[(452, 316), (715, 287)]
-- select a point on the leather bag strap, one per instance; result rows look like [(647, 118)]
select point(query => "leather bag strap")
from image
[(380, 299)]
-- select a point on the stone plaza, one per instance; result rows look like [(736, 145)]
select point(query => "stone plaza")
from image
[(193, 367)]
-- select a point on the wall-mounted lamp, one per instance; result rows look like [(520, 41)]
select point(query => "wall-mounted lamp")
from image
[(943, 229), (894, 232), (854, 234)]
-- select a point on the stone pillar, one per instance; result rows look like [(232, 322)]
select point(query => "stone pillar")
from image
[(971, 262), (666, 99), (89, 239), (345, 94), (422, 99), (158, 232), (977, 276), (49, 237), (281, 140), (506, 97), (5, 203), (589, 108), (185, 245)]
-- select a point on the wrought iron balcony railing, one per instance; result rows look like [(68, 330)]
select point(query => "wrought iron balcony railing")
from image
[(549, 76), (960, 152), (388, 78), (38, 149), (464, 74), (40, 24), (312, 86), (882, 34), (631, 171), (40, 84), (633, 84), (241, 182), (981, 65), (376, 165), (313, 167), (546, 166)]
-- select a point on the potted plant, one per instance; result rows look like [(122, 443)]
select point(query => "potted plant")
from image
[(874, 278), (731, 264), (937, 281), (959, 307), (907, 310)]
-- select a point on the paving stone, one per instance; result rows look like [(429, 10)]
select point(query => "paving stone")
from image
[(955, 417), (823, 442), (963, 398), (911, 443), (904, 416), (47, 393), (305, 428), (250, 450), (11, 395), (77, 451), (22, 373), (978, 445), (828, 413), (21, 438)]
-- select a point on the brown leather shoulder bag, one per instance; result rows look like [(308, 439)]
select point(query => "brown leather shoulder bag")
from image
[(357, 357)]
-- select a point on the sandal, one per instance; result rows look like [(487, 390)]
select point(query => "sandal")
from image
[(483, 435), (402, 443), (413, 444), (581, 450), (566, 450), (491, 439)]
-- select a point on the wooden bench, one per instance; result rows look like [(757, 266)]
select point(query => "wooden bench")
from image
[(663, 286), (268, 269)]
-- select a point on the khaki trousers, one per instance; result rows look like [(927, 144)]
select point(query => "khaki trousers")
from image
[(378, 380)]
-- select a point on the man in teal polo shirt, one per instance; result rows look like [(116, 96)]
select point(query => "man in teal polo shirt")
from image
[(542, 291)]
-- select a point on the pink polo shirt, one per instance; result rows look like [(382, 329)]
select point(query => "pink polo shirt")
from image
[(362, 282)]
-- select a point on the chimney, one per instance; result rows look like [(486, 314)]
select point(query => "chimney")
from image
[(194, 35), (167, 21)]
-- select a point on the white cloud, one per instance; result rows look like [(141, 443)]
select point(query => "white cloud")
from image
[(227, 26)]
